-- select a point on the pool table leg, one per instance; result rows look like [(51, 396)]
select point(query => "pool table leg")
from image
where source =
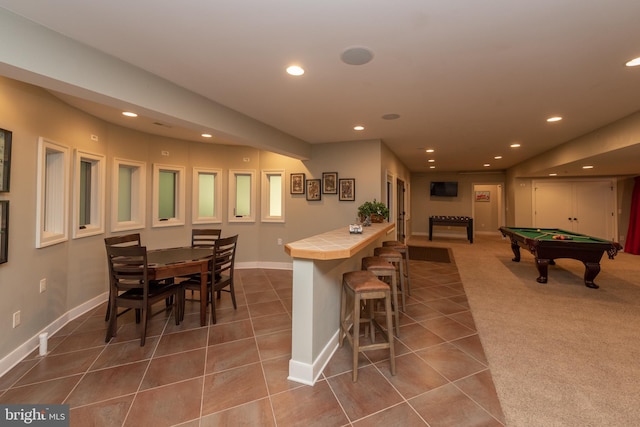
[(591, 271), (516, 251), (543, 269)]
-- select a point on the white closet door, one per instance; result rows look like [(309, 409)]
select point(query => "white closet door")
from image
[(586, 207), (595, 209), (553, 205)]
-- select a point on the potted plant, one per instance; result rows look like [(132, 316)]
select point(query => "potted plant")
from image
[(374, 211)]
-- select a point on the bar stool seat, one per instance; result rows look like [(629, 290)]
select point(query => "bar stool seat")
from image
[(382, 269), (404, 250), (395, 258), (357, 287)]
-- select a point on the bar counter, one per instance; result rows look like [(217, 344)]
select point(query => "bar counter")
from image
[(318, 264)]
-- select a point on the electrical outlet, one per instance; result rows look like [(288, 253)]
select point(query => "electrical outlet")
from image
[(279, 241), (43, 285), (16, 318)]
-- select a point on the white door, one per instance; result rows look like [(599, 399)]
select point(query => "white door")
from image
[(586, 207), (553, 205), (594, 212)]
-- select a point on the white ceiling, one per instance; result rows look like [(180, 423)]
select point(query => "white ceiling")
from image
[(468, 78)]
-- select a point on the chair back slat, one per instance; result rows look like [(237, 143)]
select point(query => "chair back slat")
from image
[(128, 267), (204, 237), (224, 253), (125, 240)]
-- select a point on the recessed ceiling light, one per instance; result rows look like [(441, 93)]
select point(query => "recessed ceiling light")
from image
[(554, 119), (486, 165), (497, 157), (129, 114), (358, 127), (431, 161), (633, 63), (553, 174), (429, 150), (206, 135), (295, 70), (432, 167), (516, 145), (587, 167)]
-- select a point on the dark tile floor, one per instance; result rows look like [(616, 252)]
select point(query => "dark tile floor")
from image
[(235, 372)]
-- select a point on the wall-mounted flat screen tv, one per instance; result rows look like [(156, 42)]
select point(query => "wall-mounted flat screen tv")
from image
[(444, 188)]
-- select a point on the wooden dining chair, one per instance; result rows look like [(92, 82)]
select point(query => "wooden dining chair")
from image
[(220, 277), (121, 241), (203, 238), (130, 288)]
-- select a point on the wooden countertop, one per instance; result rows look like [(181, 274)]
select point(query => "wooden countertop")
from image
[(337, 244)]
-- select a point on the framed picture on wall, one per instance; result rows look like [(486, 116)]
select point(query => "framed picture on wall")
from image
[(5, 159), (483, 196), (330, 182), (4, 230), (297, 183), (347, 189), (313, 189)]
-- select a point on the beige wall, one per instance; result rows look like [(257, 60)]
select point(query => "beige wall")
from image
[(423, 205), (76, 269), (619, 135)]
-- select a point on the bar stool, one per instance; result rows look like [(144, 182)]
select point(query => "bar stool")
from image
[(395, 258), (357, 287), (382, 269), (404, 250)]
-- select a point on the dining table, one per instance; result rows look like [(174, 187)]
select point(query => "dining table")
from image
[(179, 262)]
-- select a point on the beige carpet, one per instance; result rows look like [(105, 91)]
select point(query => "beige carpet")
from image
[(560, 354)]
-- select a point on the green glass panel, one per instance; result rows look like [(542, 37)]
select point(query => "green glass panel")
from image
[(206, 195), (167, 194), (125, 175), (243, 195)]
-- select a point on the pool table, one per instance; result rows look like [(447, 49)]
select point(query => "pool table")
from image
[(547, 244)]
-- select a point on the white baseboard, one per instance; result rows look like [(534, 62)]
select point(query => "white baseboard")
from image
[(265, 265), (22, 351), (308, 374)]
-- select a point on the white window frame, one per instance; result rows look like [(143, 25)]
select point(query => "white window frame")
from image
[(95, 224), (233, 173), (179, 199), (266, 195), (52, 214), (138, 195), (217, 197)]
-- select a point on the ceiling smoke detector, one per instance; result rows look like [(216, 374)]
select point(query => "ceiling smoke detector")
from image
[(391, 116), (356, 56)]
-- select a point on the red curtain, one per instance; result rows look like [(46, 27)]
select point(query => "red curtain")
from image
[(633, 236)]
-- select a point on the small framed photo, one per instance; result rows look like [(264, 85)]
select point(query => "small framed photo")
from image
[(297, 183), (313, 189), (4, 230), (5, 160), (483, 196), (347, 189), (330, 182)]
